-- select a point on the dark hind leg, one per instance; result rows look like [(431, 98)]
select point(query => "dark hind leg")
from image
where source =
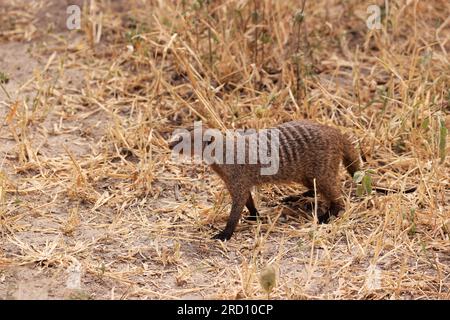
[(330, 190), (254, 214)]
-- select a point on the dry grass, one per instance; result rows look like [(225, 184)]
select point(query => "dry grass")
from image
[(91, 205)]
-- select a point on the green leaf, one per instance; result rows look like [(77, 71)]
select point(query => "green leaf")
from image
[(4, 79), (367, 183), (255, 16), (358, 176), (442, 140), (267, 278), (265, 38), (412, 217), (425, 123), (298, 17), (359, 190)]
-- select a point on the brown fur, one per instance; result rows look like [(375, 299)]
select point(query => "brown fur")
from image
[(308, 151)]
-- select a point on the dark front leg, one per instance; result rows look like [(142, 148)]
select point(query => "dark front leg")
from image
[(335, 208), (235, 214), (253, 216)]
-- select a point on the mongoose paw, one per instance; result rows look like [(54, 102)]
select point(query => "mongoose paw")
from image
[(222, 236), (323, 218)]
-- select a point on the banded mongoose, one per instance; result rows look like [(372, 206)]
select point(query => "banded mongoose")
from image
[(307, 151)]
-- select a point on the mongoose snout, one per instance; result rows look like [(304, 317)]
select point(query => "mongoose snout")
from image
[(308, 153)]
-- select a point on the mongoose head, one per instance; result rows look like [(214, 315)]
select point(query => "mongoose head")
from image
[(191, 141)]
